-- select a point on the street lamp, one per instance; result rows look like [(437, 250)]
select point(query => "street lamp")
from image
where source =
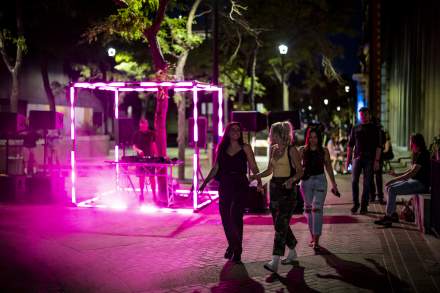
[(347, 88), (310, 108), (283, 51), (111, 52), (338, 108), (326, 102)]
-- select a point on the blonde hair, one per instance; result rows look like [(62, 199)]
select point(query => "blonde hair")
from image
[(284, 130)]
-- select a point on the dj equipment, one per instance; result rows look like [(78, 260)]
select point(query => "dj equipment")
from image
[(250, 120), (12, 187), (292, 116), (137, 159), (45, 120), (11, 123), (202, 124)]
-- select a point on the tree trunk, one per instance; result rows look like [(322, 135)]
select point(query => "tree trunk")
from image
[(181, 119), (46, 84), (160, 67), (14, 92), (253, 74)]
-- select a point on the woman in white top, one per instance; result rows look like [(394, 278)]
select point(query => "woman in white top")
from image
[(285, 165)]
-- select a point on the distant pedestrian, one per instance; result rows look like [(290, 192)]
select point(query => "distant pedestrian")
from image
[(387, 153), (314, 183), (416, 179), (365, 139), (230, 168), (285, 165), (376, 187)]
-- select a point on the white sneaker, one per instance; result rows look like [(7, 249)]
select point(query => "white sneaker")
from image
[(291, 258)]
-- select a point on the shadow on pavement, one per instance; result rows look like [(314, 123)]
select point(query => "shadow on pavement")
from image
[(362, 276), (295, 282), (235, 278), (334, 219)]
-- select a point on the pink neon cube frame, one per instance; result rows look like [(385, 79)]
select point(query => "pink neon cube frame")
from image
[(151, 86)]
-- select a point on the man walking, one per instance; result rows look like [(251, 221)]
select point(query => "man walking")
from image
[(366, 141)]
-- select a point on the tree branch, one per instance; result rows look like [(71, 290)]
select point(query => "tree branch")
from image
[(277, 73), (155, 26)]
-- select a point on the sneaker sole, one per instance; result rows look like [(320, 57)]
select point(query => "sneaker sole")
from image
[(269, 269)]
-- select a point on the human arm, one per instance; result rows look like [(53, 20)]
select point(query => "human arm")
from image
[(138, 151), (387, 146), (350, 145), (406, 175), (252, 163), (296, 158), (211, 175), (269, 168), (329, 169)]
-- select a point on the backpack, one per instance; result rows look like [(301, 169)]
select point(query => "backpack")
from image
[(407, 213)]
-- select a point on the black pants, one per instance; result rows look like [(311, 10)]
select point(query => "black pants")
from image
[(282, 205), (377, 189), (233, 190)]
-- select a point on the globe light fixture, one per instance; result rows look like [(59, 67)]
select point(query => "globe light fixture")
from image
[(111, 52), (338, 108), (326, 102), (283, 49)]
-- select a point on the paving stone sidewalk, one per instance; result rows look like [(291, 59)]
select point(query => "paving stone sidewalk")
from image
[(59, 249)]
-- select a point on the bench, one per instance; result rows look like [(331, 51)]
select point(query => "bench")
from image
[(422, 210)]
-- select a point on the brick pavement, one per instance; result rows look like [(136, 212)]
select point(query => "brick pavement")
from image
[(58, 249)]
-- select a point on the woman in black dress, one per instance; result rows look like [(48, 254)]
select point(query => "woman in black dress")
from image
[(230, 168)]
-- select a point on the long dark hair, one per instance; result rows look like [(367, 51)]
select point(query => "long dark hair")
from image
[(418, 140), (226, 140), (318, 135)]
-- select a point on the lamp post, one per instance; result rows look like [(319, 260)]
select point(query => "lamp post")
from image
[(283, 51)]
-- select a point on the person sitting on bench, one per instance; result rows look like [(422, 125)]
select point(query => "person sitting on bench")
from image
[(415, 180)]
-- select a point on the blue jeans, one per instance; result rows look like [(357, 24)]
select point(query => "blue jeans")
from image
[(314, 190), (402, 188), (365, 166)]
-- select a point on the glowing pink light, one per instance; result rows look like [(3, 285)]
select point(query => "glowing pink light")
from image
[(119, 206), (149, 83), (83, 84), (72, 113), (116, 104), (181, 90), (195, 116), (117, 84), (206, 202), (151, 86), (220, 113), (106, 88), (184, 83), (73, 175), (195, 183)]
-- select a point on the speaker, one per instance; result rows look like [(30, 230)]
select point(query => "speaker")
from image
[(292, 116), (202, 124), (45, 120), (125, 128), (250, 120), (11, 123), (12, 187), (97, 119)]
